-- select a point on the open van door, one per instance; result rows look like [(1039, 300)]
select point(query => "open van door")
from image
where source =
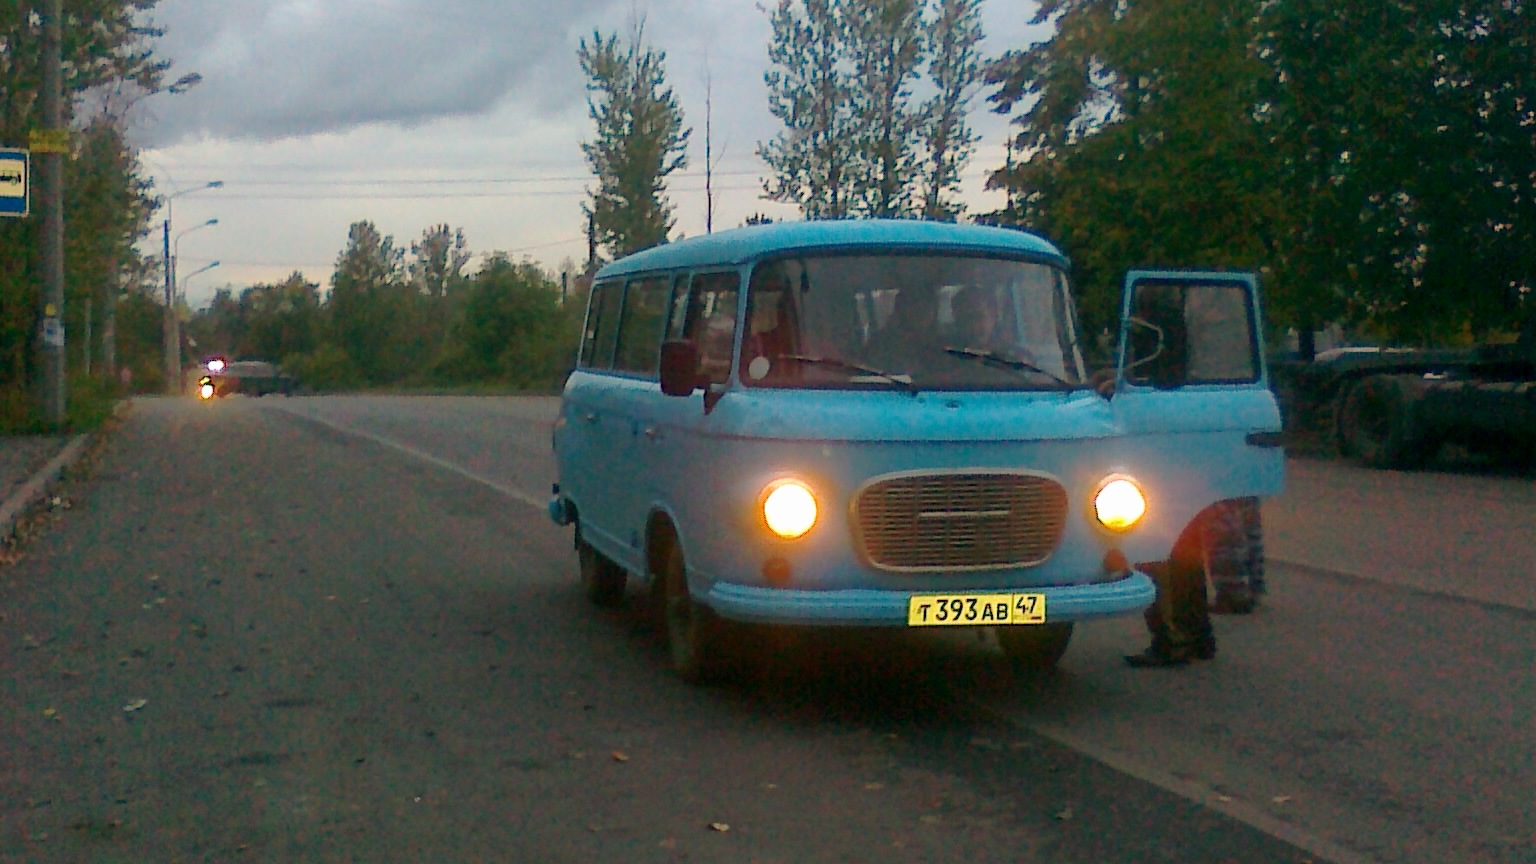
[(1191, 364)]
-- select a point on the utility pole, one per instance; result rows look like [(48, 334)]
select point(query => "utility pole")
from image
[(51, 354), (171, 327), (709, 188)]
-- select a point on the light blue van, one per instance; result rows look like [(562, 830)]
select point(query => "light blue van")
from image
[(889, 424)]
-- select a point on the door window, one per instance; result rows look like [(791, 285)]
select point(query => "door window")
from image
[(711, 323), (645, 308)]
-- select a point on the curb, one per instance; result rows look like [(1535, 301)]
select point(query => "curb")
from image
[(35, 489)]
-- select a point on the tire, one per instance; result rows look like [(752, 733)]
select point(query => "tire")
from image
[(696, 637), (1034, 648), (602, 581), (1377, 424)]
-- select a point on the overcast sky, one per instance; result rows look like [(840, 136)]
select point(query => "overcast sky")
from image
[(411, 113)]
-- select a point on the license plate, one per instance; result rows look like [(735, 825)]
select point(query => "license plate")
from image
[(971, 610)]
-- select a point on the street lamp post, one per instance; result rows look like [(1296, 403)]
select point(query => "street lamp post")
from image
[(172, 328)]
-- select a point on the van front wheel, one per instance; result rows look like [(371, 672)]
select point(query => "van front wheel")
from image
[(1034, 648), (695, 635)]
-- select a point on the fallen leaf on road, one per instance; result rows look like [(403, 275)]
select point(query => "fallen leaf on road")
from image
[(1223, 798), (51, 713), (668, 843), (1280, 799), (1065, 815), (135, 705), (721, 827), (874, 786), (620, 756), (220, 694)]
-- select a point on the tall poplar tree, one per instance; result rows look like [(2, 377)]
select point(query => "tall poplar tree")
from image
[(842, 79), (809, 85), (640, 140), (955, 69)]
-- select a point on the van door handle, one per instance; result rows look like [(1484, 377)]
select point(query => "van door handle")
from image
[(590, 416), (652, 433)]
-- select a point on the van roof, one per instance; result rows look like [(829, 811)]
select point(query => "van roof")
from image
[(740, 245)]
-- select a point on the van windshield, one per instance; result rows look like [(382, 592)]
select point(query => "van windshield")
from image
[(931, 321)]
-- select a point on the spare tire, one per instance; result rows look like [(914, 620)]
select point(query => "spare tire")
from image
[(1377, 423)]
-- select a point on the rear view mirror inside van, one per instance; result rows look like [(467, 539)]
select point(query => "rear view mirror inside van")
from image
[(679, 367)]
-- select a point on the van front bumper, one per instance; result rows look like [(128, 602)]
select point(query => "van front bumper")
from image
[(879, 608)]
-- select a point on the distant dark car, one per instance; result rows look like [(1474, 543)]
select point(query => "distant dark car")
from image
[(248, 377)]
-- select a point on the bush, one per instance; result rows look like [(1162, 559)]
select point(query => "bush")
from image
[(326, 369), (88, 405)]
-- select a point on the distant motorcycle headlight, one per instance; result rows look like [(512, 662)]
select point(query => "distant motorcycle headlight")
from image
[(1119, 504), (205, 389), (789, 508)]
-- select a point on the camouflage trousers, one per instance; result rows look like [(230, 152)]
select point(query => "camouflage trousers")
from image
[(1225, 543), (1232, 537)]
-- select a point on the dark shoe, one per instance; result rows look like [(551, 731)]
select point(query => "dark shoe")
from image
[(1156, 657), (1233, 603), (1205, 647)]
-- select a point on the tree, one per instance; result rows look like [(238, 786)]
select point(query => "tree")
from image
[(104, 45), (1139, 137), (514, 329), (437, 271), (280, 320), (886, 47), (956, 70), (640, 140), (842, 80), (809, 91), (372, 309), (1373, 160)]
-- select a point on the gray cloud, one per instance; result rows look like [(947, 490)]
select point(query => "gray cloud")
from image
[(273, 70)]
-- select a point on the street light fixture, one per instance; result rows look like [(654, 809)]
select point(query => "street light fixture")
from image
[(172, 323)]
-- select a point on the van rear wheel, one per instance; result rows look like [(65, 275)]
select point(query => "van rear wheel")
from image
[(1034, 648), (602, 581), (695, 635)]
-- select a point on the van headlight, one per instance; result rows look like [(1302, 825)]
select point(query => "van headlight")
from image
[(1119, 504), (789, 508)]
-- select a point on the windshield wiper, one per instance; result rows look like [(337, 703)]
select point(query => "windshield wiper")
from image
[(839, 363), (994, 358)]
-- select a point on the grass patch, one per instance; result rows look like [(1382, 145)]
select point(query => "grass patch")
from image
[(88, 404)]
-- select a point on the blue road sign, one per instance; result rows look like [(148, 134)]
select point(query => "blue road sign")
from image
[(15, 182)]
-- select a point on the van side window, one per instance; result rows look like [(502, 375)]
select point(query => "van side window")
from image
[(677, 315), (712, 323), (602, 325), (645, 306), (589, 333)]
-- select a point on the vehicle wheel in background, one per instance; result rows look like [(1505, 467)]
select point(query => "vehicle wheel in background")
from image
[(602, 581), (1034, 648), (1377, 424)]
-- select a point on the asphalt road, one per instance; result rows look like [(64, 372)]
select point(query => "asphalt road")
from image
[(344, 630)]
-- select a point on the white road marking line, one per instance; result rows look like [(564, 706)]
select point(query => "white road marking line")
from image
[(408, 450)]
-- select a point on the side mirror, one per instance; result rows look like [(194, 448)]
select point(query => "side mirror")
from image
[(679, 368)]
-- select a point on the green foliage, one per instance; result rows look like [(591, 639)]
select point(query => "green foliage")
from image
[(856, 142), (140, 342), (640, 141), (106, 205), (514, 329), (1371, 160), (327, 369)]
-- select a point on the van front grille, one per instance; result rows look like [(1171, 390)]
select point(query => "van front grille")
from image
[(960, 521)]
